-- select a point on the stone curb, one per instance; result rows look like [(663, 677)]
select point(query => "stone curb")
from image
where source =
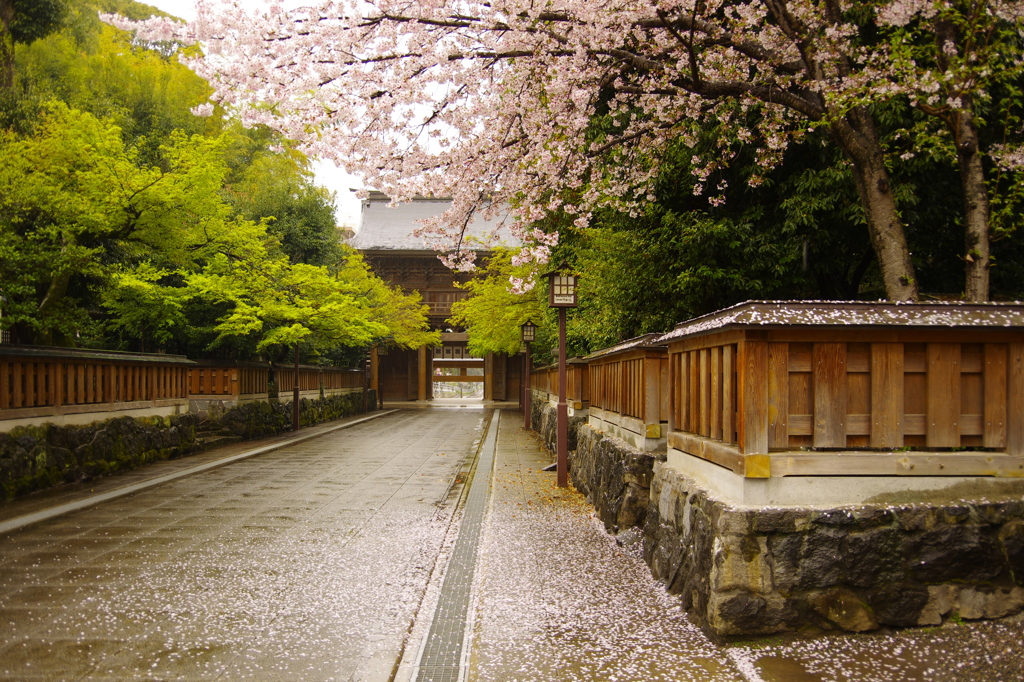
[(45, 514)]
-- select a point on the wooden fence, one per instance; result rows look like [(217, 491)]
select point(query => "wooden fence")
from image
[(251, 381), (628, 391), (66, 385), (37, 381), (771, 389), (544, 380)]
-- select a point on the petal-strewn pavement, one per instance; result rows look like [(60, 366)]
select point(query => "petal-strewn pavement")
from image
[(325, 559)]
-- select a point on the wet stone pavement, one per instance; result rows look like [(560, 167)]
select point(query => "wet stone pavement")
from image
[(306, 563), (325, 560)]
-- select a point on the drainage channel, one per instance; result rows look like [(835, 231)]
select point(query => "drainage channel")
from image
[(441, 657)]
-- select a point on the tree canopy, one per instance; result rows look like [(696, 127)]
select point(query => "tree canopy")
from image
[(484, 101), (129, 221)]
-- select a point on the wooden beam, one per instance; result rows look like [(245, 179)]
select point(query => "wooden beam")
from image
[(886, 395), (1015, 399), (753, 397), (829, 368), (778, 395), (942, 426), (994, 384)]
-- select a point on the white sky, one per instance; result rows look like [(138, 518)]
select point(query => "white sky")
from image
[(327, 174)]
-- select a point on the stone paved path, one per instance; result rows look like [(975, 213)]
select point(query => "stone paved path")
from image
[(323, 560), (307, 563)]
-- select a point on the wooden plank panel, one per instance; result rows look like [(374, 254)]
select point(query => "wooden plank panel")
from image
[(705, 394), (752, 397), (694, 402), (994, 378), (971, 425), (5, 384), (915, 361), (858, 361), (829, 361), (661, 390), (673, 392), (57, 383), (972, 396), (682, 380), (728, 395), (30, 384), (858, 424), (858, 393), (800, 357), (1015, 399), (972, 358), (853, 463), (943, 396), (778, 395), (801, 424), (17, 394), (721, 454), (716, 393), (887, 385)]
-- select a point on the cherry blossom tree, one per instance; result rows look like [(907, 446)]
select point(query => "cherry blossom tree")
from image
[(949, 57), (495, 103)]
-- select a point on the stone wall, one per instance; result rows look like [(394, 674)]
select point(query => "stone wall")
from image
[(615, 477), (744, 571), (36, 457), (544, 420)]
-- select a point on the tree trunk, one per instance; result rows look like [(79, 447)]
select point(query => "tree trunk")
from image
[(976, 207), (857, 137)]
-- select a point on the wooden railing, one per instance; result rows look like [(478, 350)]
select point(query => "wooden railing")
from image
[(628, 393), (60, 380), (545, 380), (781, 389), (251, 380), (38, 382)]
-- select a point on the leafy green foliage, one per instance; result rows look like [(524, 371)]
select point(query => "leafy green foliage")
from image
[(492, 314)]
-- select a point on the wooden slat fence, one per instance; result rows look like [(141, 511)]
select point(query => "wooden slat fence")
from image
[(42, 378), (545, 379), (628, 391), (813, 390)]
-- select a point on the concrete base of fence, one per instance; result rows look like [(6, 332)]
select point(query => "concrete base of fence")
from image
[(67, 415), (648, 437), (745, 570), (834, 491)]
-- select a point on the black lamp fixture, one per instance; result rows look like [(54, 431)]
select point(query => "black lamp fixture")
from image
[(529, 331)]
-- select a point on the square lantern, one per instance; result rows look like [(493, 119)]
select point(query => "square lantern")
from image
[(529, 331), (561, 288)]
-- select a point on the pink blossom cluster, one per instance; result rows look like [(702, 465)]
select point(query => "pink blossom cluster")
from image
[(493, 103)]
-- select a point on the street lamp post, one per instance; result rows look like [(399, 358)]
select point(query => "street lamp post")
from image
[(529, 330), (562, 295)]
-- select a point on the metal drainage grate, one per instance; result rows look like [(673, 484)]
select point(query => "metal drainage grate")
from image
[(441, 659)]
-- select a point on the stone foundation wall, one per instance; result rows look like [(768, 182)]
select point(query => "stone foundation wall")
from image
[(743, 571), (615, 477), (544, 420), (37, 457)]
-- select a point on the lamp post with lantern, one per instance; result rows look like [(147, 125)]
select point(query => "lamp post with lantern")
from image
[(562, 295), (529, 330)]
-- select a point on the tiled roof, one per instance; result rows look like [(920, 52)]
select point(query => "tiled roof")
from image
[(384, 227), (853, 313)]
